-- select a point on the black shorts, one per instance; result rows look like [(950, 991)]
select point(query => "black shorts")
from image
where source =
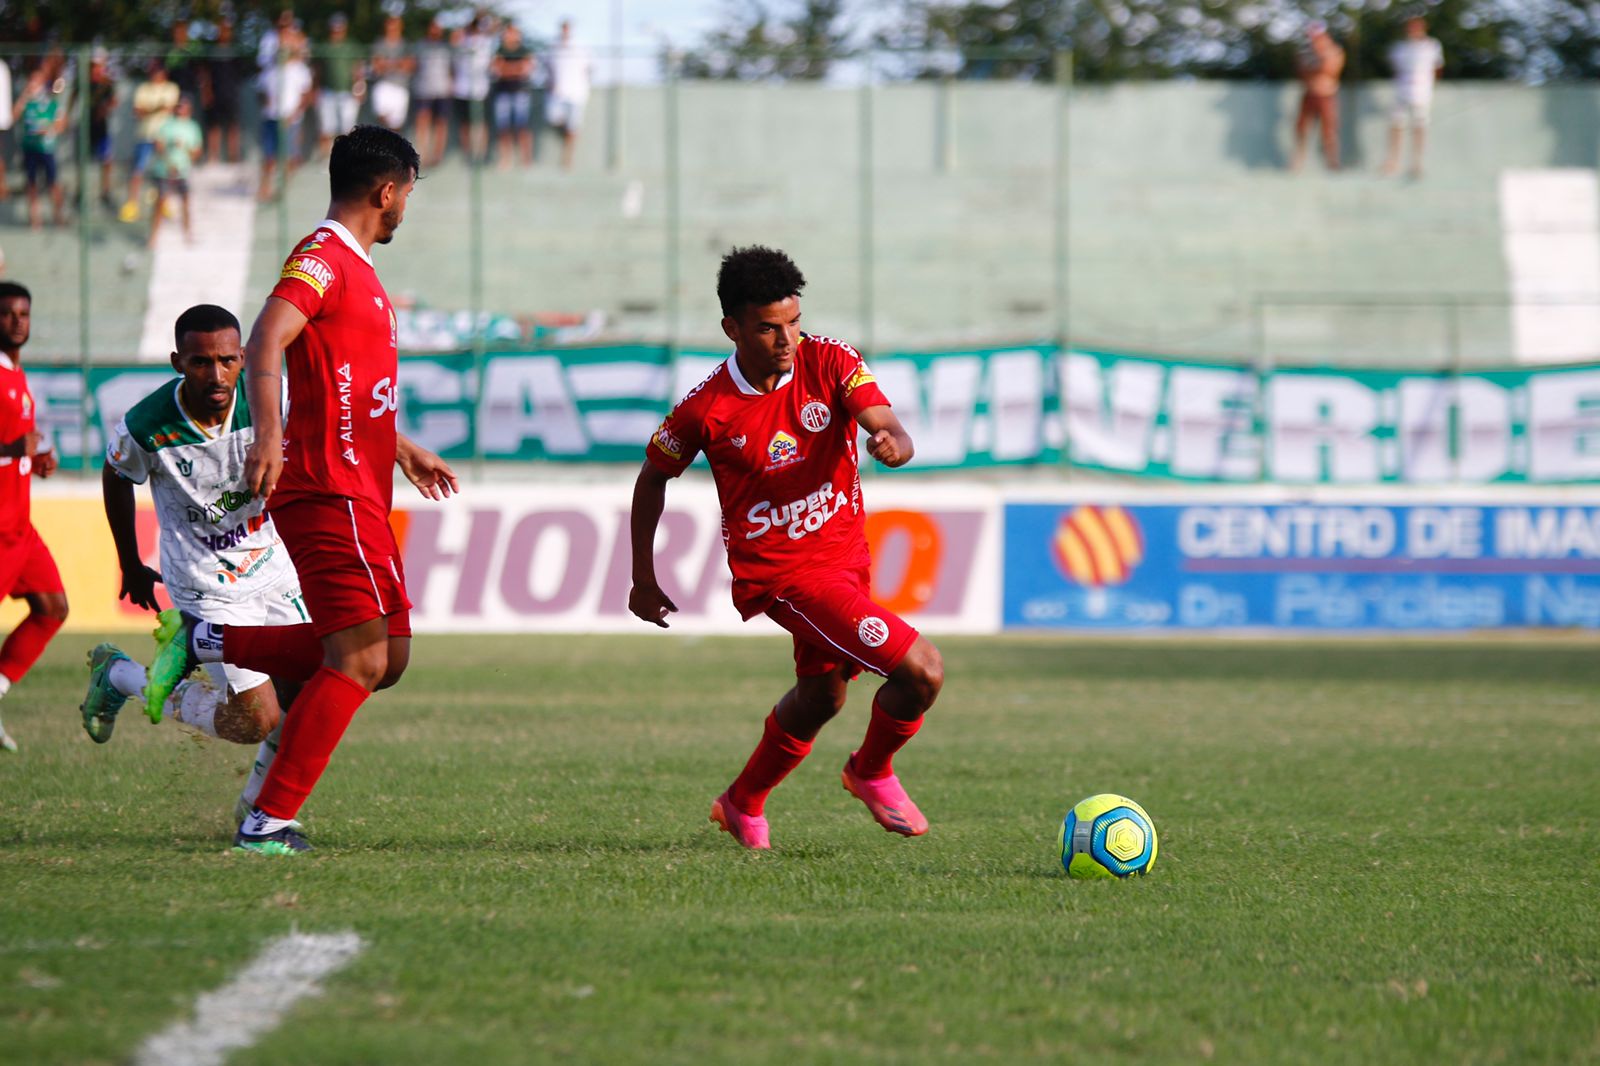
[(437, 106)]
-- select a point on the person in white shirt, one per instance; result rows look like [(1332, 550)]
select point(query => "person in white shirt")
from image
[(286, 90), (1417, 60), (570, 71)]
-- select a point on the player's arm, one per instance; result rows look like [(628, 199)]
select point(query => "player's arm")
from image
[(26, 444), (646, 599), (888, 442), (138, 580), (430, 474), (279, 323)]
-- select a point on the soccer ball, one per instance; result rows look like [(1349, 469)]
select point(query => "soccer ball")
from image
[(1107, 836)]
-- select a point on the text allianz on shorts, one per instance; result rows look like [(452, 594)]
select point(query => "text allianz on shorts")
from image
[(27, 567), (349, 564), (836, 623)]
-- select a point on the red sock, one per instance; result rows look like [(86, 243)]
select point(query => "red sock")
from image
[(289, 653), (25, 644), (885, 736), (776, 755), (316, 720)]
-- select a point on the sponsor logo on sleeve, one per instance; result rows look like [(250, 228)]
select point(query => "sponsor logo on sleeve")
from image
[(858, 377), (669, 444), (311, 270)]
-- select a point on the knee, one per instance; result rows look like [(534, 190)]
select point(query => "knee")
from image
[(925, 673), (820, 705), (367, 668), (398, 659), (53, 607)]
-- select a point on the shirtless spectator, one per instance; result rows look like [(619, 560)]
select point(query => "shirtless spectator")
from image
[(1321, 64)]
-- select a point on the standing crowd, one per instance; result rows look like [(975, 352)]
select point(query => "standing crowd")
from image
[(164, 110)]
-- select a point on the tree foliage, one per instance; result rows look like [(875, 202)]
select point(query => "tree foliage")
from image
[(761, 39), (1108, 40)]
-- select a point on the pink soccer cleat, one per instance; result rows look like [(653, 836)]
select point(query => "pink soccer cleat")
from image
[(886, 800), (750, 832)]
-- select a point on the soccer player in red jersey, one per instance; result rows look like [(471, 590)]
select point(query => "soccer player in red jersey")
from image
[(328, 476), (27, 571), (777, 423)]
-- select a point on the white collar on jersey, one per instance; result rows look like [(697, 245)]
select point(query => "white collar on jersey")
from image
[(346, 236), (6, 363), (744, 385)]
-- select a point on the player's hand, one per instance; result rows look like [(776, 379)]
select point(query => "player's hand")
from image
[(883, 447), (430, 474), (650, 604), (263, 462), (45, 463), (139, 587)]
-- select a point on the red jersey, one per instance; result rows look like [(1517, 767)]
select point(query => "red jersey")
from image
[(16, 420), (784, 462), (342, 370)]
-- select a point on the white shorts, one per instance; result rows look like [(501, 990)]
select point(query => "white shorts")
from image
[(563, 113), (336, 112), (390, 102), (1410, 112), (281, 605)]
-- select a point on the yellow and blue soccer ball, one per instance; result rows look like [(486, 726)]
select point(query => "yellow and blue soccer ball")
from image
[(1107, 836)]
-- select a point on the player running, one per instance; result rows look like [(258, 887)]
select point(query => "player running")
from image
[(777, 422), (220, 554), (327, 479), (27, 571)]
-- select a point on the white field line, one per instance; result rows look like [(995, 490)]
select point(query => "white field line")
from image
[(253, 1003)]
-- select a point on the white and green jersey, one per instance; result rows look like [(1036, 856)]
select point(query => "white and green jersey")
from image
[(220, 554)]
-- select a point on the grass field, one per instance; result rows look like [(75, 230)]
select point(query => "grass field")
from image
[(1370, 853)]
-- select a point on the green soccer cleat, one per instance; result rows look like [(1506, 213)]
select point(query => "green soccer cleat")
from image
[(173, 662), (102, 702)]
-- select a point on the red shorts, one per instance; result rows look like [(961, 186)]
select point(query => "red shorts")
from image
[(835, 623), (27, 567), (349, 565)]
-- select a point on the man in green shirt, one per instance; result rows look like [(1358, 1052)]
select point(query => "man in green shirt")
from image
[(41, 118), (341, 82), (178, 145)]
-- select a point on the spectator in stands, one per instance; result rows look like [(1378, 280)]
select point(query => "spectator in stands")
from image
[(392, 65), (571, 70), (432, 94), (1320, 63), (221, 78), (179, 143), (153, 103), (1417, 61), (102, 105), (40, 116), (267, 50), (184, 60), (512, 95), (286, 93), (341, 83), (474, 52)]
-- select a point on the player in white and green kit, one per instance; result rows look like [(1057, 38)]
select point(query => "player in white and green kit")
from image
[(220, 554)]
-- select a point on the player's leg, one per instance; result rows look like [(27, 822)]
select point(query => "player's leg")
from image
[(113, 677), (266, 754), (38, 582)]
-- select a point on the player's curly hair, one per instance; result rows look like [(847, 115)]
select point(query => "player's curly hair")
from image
[(368, 156), (204, 318), (756, 276), (11, 289)]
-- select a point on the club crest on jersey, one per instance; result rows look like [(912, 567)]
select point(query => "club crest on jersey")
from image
[(783, 450), (815, 416), (872, 631), (311, 270)]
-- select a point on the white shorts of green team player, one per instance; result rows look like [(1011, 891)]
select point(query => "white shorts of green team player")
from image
[(221, 558)]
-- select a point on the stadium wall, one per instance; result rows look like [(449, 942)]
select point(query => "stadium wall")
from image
[(1026, 405), (972, 557)]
